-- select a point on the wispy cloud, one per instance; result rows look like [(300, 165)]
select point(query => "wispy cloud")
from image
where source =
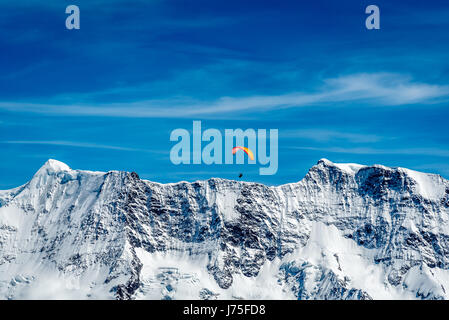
[(77, 145), (433, 167), (386, 89), (320, 135), (436, 152)]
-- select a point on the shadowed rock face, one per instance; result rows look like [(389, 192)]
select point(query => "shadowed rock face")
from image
[(308, 240)]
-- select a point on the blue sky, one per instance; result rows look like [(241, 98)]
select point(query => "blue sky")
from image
[(108, 95)]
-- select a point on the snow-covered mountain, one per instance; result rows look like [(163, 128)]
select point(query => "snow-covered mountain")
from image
[(345, 231)]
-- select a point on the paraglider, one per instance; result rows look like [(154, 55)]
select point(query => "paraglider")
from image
[(246, 150)]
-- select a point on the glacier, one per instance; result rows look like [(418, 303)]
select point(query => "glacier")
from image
[(345, 231)]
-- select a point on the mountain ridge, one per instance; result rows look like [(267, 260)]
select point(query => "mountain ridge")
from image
[(56, 165)]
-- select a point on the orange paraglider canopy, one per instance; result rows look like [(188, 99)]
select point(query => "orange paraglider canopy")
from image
[(247, 151)]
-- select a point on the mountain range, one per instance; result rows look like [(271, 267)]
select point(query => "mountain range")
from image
[(345, 231)]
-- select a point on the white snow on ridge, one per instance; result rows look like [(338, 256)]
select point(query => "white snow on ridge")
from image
[(430, 186), (328, 248), (351, 168)]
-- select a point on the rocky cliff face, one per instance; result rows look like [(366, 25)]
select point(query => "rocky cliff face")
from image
[(345, 231)]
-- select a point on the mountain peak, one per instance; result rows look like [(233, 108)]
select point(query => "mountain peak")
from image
[(55, 166), (324, 161), (350, 168)]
